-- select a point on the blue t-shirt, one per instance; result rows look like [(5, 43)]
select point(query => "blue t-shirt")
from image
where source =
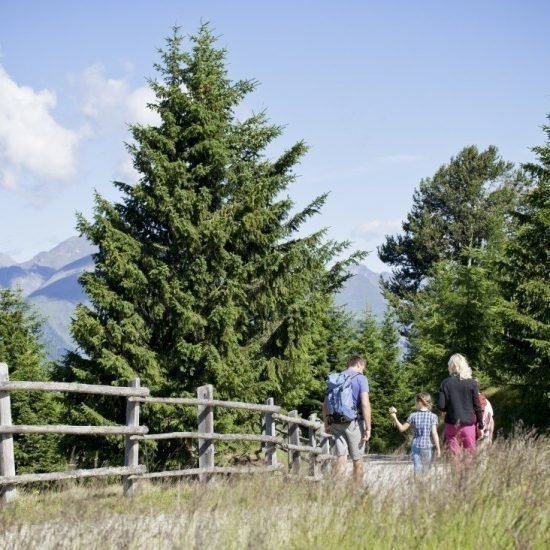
[(359, 384)]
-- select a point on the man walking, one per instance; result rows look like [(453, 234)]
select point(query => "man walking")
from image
[(350, 434)]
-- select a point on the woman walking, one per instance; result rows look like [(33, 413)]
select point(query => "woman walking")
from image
[(459, 399)]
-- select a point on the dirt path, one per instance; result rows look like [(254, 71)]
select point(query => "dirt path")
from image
[(389, 472)]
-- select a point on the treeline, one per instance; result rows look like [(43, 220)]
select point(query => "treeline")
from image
[(202, 275), (471, 275)]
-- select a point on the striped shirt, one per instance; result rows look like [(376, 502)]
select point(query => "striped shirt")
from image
[(422, 422)]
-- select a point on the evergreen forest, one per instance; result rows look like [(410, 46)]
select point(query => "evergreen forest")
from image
[(204, 275)]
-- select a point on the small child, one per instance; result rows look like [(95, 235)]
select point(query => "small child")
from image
[(424, 424)]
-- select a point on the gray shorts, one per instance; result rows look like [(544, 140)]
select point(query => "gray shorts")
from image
[(348, 438)]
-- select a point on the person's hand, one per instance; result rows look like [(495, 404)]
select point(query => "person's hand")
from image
[(438, 453), (392, 411), (366, 435)]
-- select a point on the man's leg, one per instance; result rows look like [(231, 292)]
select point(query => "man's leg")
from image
[(341, 466), (358, 470), (356, 446), (341, 446)]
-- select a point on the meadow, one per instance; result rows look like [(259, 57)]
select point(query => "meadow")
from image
[(502, 501)]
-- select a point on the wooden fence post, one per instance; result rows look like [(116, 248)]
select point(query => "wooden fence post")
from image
[(131, 449), (269, 428), (312, 441), (7, 461), (293, 439), (206, 426)]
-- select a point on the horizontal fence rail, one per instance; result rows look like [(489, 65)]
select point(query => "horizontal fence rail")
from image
[(71, 387), (298, 421), (80, 430), (207, 403), (300, 438), (213, 436), (72, 474), (209, 471)]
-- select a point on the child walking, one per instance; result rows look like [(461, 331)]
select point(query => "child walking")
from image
[(424, 424)]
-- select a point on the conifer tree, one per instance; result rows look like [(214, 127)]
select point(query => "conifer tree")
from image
[(200, 275), (25, 355), (369, 342), (334, 340), (399, 387), (525, 283), (379, 344), (461, 208), (455, 313)]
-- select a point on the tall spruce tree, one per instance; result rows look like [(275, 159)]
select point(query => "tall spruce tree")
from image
[(21, 348), (462, 207), (200, 275), (525, 283)]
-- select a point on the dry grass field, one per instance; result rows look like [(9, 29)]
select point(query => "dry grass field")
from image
[(503, 501)]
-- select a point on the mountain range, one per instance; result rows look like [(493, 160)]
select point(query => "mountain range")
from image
[(49, 281)]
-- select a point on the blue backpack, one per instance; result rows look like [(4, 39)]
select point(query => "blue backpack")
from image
[(340, 403)]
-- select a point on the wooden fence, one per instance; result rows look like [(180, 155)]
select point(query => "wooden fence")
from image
[(303, 439)]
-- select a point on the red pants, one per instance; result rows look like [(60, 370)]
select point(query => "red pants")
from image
[(461, 437)]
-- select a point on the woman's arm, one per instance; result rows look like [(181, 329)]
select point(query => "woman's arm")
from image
[(442, 398)]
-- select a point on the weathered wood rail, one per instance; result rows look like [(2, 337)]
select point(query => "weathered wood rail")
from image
[(304, 440)]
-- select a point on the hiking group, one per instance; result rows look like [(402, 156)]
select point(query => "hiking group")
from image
[(468, 417)]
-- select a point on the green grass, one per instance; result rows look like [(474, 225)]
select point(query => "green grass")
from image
[(503, 501)]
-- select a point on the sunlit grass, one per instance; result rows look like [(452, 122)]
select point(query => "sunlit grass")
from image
[(501, 502)]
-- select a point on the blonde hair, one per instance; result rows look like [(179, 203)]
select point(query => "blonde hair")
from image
[(425, 399), (458, 365)]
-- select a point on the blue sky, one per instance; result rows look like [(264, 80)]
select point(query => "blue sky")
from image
[(383, 93)]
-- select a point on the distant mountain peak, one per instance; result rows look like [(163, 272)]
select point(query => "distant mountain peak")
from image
[(362, 290), (6, 261), (64, 253)]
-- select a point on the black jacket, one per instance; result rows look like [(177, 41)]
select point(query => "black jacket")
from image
[(460, 400)]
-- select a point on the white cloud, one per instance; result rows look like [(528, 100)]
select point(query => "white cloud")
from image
[(376, 229), (101, 95), (30, 138), (8, 179), (127, 172), (399, 159), (138, 111), (110, 101)]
